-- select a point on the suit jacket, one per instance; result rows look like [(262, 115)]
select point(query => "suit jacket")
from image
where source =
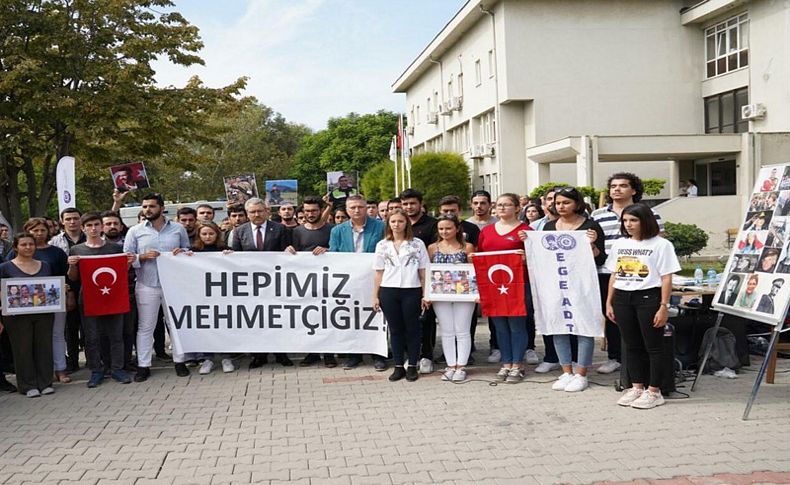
[(275, 239), (728, 301), (341, 239)]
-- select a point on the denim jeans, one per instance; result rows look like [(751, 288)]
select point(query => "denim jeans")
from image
[(562, 344), (511, 335)]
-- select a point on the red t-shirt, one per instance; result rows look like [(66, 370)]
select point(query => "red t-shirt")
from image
[(490, 240)]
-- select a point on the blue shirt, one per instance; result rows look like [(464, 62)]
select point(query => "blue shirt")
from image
[(143, 237)]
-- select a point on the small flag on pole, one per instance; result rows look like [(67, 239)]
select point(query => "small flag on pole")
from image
[(393, 151)]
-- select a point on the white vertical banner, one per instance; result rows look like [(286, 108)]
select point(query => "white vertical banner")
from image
[(66, 183), (564, 282)]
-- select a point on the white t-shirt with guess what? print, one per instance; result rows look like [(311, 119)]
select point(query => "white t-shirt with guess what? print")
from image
[(639, 265)]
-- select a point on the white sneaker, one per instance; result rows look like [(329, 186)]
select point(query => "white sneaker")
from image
[(577, 384), (608, 367), (494, 357), (629, 396), (503, 373), (532, 357), (459, 375), (426, 366), (545, 367), (562, 382), (227, 366), (448, 374), (47, 391), (726, 372), (33, 393), (648, 400), (206, 367)]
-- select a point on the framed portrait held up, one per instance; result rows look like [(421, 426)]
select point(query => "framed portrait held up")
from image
[(451, 282), (43, 294)]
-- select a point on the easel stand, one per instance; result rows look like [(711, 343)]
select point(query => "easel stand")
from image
[(760, 374)]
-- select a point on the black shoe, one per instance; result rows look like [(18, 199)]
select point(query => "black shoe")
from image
[(181, 370), (352, 362), (283, 360), (379, 364), (143, 373), (72, 366), (397, 374), (471, 361), (164, 356), (258, 361), (411, 373), (6, 386), (130, 367), (329, 361), (310, 360)]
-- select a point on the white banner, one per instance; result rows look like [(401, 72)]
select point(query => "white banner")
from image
[(564, 283), (66, 184), (272, 302)]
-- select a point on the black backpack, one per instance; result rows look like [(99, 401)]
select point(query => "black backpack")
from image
[(722, 353)]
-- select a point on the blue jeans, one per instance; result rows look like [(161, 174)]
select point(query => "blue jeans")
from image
[(511, 335), (562, 344)]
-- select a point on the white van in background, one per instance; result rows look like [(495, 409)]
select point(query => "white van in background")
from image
[(129, 214)]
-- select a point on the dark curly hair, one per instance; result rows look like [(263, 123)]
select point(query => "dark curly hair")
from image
[(633, 180)]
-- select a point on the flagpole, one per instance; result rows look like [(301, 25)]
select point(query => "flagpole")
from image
[(395, 162), (401, 134)]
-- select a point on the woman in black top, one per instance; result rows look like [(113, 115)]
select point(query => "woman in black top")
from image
[(30, 333)]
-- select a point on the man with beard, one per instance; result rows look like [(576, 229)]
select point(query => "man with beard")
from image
[(383, 209), (112, 227), (187, 217), (261, 234), (287, 215), (148, 240), (424, 228), (312, 236), (481, 207)]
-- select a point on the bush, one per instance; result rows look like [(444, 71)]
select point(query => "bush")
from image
[(652, 187), (688, 239)]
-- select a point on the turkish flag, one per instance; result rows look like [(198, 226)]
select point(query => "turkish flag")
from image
[(500, 280), (105, 284)]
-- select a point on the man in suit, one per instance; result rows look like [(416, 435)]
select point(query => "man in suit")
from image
[(359, 234), (261, 234), (730, 292), (766, 304)]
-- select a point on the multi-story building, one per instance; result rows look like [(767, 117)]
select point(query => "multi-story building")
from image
[(573, 90)]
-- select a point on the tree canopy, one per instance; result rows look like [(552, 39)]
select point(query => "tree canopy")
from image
[(352, 143), (76, 79)]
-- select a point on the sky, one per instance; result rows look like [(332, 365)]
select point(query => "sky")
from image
[(311, 59)]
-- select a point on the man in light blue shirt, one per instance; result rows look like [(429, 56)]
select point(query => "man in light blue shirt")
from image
[(148, 240)]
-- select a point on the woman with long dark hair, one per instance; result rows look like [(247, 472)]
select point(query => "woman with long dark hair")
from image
[(30, 333), (642, 264), (398, 284)]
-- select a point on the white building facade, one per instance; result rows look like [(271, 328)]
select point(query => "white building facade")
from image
[(532, 91)]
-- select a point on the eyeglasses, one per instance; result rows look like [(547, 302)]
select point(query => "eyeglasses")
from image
[(504, 206)]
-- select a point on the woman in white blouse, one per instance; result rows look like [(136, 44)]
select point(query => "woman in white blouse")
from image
[(398, 284)]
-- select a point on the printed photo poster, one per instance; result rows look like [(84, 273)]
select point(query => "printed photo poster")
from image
[(451, 282), (281, 191), (129, 176), (240, 188), (340, 185), (753, 284)]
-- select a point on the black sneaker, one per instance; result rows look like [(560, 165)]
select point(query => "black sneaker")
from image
[(164, 356), (411, 373), (283, 360), (143, 373), (310, 360), (397, 374), (181, 370), (329, 361), (6, 386)]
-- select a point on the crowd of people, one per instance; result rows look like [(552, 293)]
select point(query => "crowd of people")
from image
[(404, 239)]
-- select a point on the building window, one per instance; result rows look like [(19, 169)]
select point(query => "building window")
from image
[(478, 73), (491, 63), (723, 112), (727, 46)]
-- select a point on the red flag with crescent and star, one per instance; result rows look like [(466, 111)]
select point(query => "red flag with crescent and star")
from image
[(500, 281), (105, 284)]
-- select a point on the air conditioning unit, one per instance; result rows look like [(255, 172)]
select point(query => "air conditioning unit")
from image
[(409, 130), (477, 151), (488, 150), (444, 109), (432, 118), (753, 111), (456, 103)]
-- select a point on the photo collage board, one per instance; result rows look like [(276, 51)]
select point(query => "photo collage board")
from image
[(756, 281)]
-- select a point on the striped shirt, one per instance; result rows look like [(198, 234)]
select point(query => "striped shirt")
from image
[(610, 223)]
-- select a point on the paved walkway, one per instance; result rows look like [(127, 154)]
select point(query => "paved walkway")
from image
[(317, 425)]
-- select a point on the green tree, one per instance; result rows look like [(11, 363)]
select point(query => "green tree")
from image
[(687, 238), (76, 79), (350, 144), (433, 174)]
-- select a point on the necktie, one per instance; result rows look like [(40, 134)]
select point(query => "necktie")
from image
[(259, 239)]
